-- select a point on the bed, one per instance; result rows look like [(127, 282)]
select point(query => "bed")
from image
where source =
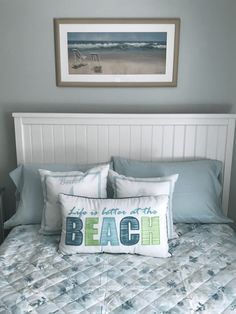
[(200, 275)]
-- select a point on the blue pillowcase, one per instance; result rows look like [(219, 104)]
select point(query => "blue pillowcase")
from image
[(28, 184), (197, 195)]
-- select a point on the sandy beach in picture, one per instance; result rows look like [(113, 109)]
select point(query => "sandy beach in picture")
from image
[(107, 53), (119, 63)]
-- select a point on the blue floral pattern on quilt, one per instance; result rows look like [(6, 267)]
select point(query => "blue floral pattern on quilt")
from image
[(199, 277)]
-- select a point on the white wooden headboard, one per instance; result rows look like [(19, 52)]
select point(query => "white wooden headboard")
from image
[(89, 138)]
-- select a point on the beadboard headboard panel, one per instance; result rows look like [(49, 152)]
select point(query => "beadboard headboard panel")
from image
[(89, 138)]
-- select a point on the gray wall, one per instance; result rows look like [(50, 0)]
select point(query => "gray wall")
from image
[(206, 81)]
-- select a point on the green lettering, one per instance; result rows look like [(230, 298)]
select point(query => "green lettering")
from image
[(150, 230), (90, 231)]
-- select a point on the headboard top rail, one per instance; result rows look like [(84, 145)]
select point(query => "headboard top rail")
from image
[(125, 115)]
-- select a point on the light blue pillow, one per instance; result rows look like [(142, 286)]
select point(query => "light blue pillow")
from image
[(197, 195), (27, 181)]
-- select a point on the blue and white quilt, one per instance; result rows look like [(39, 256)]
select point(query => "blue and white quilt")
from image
[(199, 277)]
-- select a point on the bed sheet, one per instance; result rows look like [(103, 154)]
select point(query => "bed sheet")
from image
[(199, 277)]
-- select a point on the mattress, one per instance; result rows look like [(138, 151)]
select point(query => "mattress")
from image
[(199, 277)]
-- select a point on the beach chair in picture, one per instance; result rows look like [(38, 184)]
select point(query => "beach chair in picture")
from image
[(80, 59), (96, 60)]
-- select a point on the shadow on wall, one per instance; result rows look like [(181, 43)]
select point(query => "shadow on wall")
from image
[(7, 160), (232, 199), (115, 107)]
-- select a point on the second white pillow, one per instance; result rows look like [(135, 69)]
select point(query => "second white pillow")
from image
[(130, 187)]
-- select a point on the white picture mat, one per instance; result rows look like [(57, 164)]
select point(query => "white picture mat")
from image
[(65, 28)]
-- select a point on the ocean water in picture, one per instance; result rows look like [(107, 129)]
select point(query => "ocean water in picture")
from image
[(117, 53)]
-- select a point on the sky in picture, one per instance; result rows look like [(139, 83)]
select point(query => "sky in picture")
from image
[(113, 36)]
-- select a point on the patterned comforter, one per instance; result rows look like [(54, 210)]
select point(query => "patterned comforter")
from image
[(199, 277)]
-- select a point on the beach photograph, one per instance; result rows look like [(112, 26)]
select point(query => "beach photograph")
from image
[(116, 53)]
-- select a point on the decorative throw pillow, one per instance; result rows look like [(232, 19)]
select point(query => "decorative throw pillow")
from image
[(29, 190), (130, 187), (92, 183), (198, 191), (131, 225)]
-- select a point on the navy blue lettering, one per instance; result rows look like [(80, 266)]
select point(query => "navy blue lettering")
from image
[(74, 236), (127, 224)]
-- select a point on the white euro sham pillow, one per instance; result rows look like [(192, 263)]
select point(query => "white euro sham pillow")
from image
[(92, 183), (130, 187)]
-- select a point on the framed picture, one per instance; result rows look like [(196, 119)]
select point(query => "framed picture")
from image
[(116, 52)]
